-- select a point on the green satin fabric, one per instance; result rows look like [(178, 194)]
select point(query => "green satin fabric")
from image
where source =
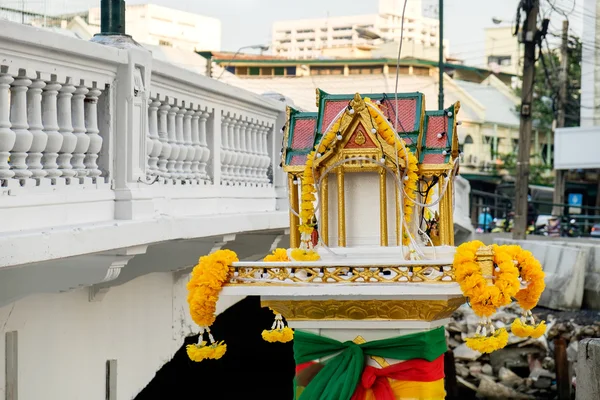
[(338, 379)]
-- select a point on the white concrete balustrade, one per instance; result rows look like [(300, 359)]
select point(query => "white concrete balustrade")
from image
[(93, 135)]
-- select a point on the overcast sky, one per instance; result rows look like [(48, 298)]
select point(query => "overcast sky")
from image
[(248, 22)]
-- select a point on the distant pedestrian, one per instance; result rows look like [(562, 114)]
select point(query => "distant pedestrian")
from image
[(485, 220)]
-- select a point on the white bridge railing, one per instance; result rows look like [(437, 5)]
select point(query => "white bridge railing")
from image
[(92, 133)]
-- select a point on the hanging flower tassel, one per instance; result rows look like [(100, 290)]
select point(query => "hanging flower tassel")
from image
[(278, 332), (202, 351), (481, 342), (521, 328)]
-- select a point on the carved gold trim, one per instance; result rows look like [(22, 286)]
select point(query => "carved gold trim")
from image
[(341, 209), (398, 222), (324, 205), (368, 310), (446, 224), (383, 225), (485, 258), (280, 272), (294, 220)]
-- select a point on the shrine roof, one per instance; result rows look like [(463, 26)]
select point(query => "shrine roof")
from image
[(299, 137)]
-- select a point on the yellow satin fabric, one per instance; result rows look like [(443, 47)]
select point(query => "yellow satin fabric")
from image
[(412, 390)]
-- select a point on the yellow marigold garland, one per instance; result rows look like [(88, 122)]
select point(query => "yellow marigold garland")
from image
[(518, 328), (485, 299), (488, 344), (305, 255), (532, 275), (278, 332), (208, 277), (513, 265), (278, 255)]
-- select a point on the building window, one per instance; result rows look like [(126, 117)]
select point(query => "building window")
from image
[(365, 70), (404, 70), (468, 140), (327, 71), (254, 71), (266, 71), (421, 71), (290, 71), (279, 71), (230, 69), (241, 70)]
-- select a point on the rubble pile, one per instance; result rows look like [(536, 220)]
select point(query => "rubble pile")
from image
[(525, 368)]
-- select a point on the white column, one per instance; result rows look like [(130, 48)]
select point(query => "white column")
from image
[(172, 128), (34, 119), (225, 152), (83, 140), (65, 127), (180, 142), (163, 136), (153, 137), (237, 145), (91, 121), (255, 152), (18, 119), (264, 152), (203, 161), (244, 148), (195, 132), (50, 122), (7, 136), (187, 142)]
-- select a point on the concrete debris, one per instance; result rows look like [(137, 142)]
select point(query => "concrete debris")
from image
[(525, 368)]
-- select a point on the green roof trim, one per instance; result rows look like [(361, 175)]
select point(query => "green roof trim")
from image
[(348, 61)]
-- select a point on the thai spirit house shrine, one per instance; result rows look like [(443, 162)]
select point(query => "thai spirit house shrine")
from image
[(371, 276)]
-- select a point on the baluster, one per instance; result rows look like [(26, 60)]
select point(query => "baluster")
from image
[(245, 156), (265, 154), (232, 155), (50, 122), (7, 136), (255, 155), (181, 143), (163, 136), (65, 128), (18, 119), (187, 142), (91, 125), (203, 161), (238, 157), (83, 140), (153, 137), (225, 152), (173, 141), (195, 126), (34, 119)]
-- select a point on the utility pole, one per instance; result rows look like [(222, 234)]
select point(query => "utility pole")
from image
[(112, 17), (522, 184), (560, 175), (441, 56)]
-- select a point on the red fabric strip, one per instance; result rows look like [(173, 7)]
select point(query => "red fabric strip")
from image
[(418, 370), (300, 367)]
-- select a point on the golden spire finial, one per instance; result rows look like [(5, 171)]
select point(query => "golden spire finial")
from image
[(358, 104)]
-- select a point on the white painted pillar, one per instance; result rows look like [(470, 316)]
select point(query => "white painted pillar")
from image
[(154, 146), (91, 116), (7, 136), (172, 128), (65, 128), (180, 142), (50, 122), (82, 140), (18, 119), (34, 119), (187, 143), (163, 136), (203, 161)]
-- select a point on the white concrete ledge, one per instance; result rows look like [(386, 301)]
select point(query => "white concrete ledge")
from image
[(53, 243)]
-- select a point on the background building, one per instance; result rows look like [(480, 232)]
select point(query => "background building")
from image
[(311, 38), (502, 50)]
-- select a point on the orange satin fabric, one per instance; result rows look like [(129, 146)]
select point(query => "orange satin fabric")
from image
[(412, 390)]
